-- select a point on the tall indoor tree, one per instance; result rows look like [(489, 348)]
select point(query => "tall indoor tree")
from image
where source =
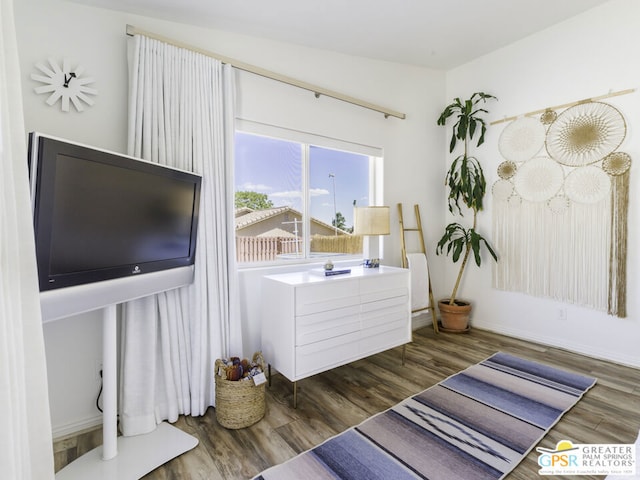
[(467, 186)]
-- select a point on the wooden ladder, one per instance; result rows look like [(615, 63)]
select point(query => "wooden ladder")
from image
[(405, 263)]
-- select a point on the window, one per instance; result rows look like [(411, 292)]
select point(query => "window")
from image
[(294, 196)]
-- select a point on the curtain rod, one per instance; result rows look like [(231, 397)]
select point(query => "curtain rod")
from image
[(131, 31), (567, 105)]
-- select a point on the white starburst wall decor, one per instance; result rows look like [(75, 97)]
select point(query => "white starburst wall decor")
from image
[(64, 83), (560, 207)]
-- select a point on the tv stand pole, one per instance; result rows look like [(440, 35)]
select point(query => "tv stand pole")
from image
[(123, 458)]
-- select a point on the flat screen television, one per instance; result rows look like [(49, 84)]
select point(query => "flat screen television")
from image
[(100, 216)]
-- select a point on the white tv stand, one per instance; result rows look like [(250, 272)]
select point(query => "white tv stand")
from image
[(123, 458)]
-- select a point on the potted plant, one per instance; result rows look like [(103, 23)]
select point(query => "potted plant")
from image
[(467, 185)]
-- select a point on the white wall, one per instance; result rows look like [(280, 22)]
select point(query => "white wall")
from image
[(584, 57), (95, 38)]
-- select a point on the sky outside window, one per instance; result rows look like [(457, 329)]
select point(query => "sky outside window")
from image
[(274, 167)]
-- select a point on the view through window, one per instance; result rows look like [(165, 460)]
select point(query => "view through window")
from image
[(294, 200)]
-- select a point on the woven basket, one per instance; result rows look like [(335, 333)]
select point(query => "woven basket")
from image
[(239, 404)]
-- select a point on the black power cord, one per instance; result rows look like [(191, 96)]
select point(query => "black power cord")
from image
[(99, 393)]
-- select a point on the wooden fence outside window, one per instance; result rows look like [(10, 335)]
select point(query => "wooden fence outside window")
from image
[(264, 249)]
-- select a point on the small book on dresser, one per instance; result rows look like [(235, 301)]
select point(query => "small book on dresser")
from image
[(330, 273)]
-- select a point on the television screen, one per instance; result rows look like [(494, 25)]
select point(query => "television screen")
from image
[(99, 215)]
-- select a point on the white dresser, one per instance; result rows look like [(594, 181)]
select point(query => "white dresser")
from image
[(312, 323)]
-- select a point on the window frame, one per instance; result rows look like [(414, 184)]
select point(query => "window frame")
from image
[(376, 184)]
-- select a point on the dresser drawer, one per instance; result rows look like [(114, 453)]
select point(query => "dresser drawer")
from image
[(320, 356), (324, 325), (384, 328), (373, 322), (384, 337), (326, 296), (379, 288), (393, 303)]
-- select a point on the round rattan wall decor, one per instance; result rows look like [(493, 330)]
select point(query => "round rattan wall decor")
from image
[(616, 163), (548, 117), (538, 179), (522, 139), (507, 169), (502, 190), (558, 204), (587, 185), (585, 133)]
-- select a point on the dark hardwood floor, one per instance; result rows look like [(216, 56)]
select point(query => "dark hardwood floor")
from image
[(333, 401)]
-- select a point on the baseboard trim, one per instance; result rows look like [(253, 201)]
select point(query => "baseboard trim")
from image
[(75, 428), (569, 346), (420, 320)]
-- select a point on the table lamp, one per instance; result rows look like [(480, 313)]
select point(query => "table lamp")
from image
[(371, 222)]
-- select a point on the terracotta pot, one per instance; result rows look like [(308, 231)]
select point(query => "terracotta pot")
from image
[(455, 318)]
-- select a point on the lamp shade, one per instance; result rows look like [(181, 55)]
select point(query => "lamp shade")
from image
[(371, 221)]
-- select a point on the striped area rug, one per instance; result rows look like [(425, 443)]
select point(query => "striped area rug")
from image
[(477, 424)]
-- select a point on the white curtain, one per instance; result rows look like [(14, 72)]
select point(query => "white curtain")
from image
[(181, 114), (25, 426)]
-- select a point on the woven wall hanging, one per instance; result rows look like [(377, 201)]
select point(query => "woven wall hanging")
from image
[(560, 207)]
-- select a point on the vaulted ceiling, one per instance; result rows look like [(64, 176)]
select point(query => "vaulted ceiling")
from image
[(439, 34)]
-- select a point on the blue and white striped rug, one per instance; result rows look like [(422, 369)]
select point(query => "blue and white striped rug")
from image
[(477, 424)]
